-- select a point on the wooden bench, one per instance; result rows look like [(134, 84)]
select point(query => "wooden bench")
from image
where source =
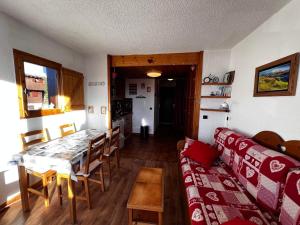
[(147, 193)]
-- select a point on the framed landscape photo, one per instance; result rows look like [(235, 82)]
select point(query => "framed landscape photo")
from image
[(278, 78)]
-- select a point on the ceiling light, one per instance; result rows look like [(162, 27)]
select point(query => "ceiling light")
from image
[(154, 74), (170, 79)]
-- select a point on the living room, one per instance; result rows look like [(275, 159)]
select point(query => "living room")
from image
[(239, 52)]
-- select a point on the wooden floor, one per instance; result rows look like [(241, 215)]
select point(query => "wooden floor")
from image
[(109, 208)]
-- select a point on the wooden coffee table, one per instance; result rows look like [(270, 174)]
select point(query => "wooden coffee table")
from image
[(147, 193)]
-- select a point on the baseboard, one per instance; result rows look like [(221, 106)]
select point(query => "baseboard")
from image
[(16, 198)]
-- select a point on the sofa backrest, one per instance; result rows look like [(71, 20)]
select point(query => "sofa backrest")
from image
[(261, 171)]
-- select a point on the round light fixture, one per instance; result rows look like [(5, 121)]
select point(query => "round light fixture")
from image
[(170, 79), (154, 74)]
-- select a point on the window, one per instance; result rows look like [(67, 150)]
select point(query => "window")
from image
[(41, 83), (41, 87)]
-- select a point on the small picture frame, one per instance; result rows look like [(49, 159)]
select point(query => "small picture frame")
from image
[(148, 89), (143, 85)]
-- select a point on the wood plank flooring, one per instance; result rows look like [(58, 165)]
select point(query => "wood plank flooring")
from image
[(109, 208)]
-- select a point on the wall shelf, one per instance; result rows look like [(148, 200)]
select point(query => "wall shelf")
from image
[(214, 110), (209, 96), (216, 84)]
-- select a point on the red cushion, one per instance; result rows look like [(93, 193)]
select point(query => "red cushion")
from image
[(201, 153), (238, 221)]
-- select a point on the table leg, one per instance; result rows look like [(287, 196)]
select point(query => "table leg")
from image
[(23, 188), (160, 218), (72, 200), (129, 216)]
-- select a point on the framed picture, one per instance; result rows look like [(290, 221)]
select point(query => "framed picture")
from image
[(278, 78), (148, 89), (132, 89)]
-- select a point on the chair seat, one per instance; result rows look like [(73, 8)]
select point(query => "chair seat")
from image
[(49, 173), (92, 166), (108, 151)]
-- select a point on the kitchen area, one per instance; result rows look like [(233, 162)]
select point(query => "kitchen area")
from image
[(121, 107)]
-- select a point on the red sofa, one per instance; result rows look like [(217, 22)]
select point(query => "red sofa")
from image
[(247, 181)]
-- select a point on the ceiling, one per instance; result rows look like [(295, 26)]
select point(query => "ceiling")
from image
[(175, 71), (143, 26)]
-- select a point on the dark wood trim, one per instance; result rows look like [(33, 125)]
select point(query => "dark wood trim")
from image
[(294, 59), (19, 58), (156, 59), (208, 96), (109, 65), (197, 95), (216, 84), (214, 110), (274, 141)]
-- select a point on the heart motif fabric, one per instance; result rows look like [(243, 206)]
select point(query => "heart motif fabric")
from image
[(298, 186), (213, 196), (229, 183), (196, 216), (249, 172), (230, 140), (276, 166), (242, 145), (188, 179)]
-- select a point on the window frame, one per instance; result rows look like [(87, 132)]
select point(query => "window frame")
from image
[(19, 58)]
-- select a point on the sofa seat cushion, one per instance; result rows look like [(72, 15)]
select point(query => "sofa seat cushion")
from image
[(238, 221), (215, 196), (290, 209)]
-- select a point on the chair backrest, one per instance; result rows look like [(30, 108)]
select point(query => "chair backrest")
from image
[(114, 138), (67, 129), (95, 151), (34, 137)]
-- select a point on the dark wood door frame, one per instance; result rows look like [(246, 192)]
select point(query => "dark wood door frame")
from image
[(193, 58)]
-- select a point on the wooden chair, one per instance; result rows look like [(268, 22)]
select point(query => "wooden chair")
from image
[(67, 129), (93, 162), (35, 137), (112, 149)]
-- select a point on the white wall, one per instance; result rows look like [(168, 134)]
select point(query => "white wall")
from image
[(215, 63), (15, 35), (279, 36), (141, 106), (96, 96)]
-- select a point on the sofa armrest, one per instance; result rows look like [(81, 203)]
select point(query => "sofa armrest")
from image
[(180, 145)]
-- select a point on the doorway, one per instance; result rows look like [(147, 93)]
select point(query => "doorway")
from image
[(190, 107), (167, 106)]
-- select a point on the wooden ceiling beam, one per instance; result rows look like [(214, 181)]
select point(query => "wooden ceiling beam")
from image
[(192, 58)]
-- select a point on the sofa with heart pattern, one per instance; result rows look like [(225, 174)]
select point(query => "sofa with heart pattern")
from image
[(247, 181)]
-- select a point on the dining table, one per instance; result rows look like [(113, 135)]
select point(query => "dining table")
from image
[(60, 155)]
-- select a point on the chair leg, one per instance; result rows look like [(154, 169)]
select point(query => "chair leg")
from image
[(118, 158), (59, 190), (87, 192), (27, 180), (102, 179), (45, 191), (109, 169)]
